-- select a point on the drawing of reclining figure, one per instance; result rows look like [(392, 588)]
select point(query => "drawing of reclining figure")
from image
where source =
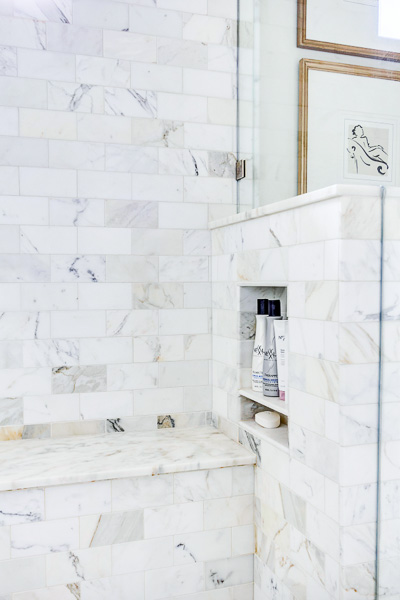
[(361, 152)]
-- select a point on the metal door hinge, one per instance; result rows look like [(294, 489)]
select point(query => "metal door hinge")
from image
[(240, 169)]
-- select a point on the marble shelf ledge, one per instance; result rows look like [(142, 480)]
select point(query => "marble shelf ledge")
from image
[(327, 193), (36, 463)]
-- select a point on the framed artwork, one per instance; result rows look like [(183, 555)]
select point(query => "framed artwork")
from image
[(349, 125), (344, 26)]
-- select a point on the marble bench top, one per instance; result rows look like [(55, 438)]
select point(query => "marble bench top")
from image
[(35, 463)]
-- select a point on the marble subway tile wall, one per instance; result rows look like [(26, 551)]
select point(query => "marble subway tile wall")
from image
[(117, 130), (184, 535), (316, 499)]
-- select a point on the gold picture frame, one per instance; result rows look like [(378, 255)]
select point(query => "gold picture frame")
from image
[(306, 65), (304, 42)]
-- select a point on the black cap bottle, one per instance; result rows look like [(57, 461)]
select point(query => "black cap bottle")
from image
[(274, 308), (262, 306)]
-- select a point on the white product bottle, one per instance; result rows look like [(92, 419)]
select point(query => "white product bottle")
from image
[(281, 340), (259, 346), (270, 369)]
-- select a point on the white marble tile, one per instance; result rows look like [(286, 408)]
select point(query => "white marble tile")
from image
[(21, 506), (107, 588), (78, 268), (22, 33), (48, 182), (158, 401), (182, 107), (142, 555), (228, 512), (78, 324), (100, 351), (175, 580), (8, 61), (149, 20), (154, 295), (78, 565), (130, 103), (229, 572), (44, 538), (130, 46), (202, 83), (131, 159), (142, 492), (76, 155), (159, 78), (102, 71), (178, 518), (11, 410), (102, 14), (202, 485), (158, 349), (23, 92), (103, 128), (202, 546), (9, 120), (132, 323), (46, 65), (49, 353), (99, 185), (20, 382), (157, 242), (156, 132), (63, 37), (22, 574), (76, 212), (186, 216), (106, 405), (132, 376), (181, 53), (9, 181), (56, 10), (75, 97), (120, 213), (116, 527), (49, 409)]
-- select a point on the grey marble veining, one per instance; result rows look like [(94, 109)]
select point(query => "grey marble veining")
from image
[(99, 457)]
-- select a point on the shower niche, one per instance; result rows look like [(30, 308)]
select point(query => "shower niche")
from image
[(251, 402)]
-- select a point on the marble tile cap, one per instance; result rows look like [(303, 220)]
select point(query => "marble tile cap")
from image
[(33, 463)]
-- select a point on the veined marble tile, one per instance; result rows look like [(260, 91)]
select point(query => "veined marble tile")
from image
[(158, 349), (142, 555), (78, 268), (49, 296), (73, 428), (8, 60), (202, 546), (130, 102), (76, 212), (157, 242), (44, 538), (132, 377), (183, 268), (358, 504), (78, 565), (21, 506), (154, 295), (221, 164), (131, 424), (79, 379), (181, 53), (22, 33), (174, 580), (157, 188), (75, 97), (132, 323), (55, 10), (142, 492), (155, 132), (359, 260), (115, 528), (178, 518), (202, 485), (11, 411), (24, 325), (47, 124), (183, 421), (183, 162), (131, 214), (70, 591), (228, 572), (50, 353), (103, 14), (103, 128), (49, 409), (224, 59), (102, 71)]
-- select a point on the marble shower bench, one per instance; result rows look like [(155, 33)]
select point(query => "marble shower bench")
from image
[(165, 514)]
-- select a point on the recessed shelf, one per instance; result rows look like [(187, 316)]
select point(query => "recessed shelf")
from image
[(278, 437), (274, 403)]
